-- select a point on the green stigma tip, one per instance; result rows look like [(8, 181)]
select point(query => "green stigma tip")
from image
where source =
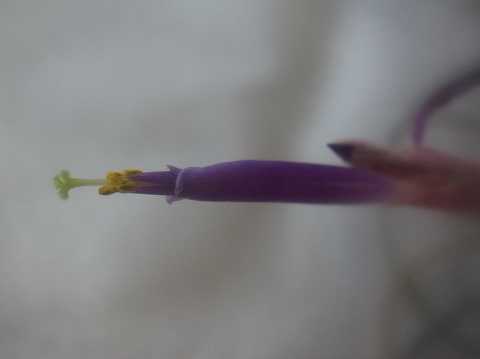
[(64, 183)]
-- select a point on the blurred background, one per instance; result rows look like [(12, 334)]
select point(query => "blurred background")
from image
[(96, 85)]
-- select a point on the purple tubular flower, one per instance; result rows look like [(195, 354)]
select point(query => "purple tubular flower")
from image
[(421, 177), (265, 181), (442, 97)]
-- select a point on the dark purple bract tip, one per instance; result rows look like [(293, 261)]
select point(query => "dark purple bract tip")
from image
[(342, 150)]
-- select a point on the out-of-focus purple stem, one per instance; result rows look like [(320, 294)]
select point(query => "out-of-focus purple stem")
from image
[(442, 97), (267, 181)]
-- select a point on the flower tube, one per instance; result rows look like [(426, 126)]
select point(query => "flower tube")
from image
[(246, 181)]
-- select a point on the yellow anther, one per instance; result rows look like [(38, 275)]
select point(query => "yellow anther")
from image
[(119, 181)]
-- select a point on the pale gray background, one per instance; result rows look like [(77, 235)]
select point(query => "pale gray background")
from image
[(95, 85)]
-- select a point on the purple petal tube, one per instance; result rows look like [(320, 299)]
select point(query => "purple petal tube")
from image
[(267, 181)]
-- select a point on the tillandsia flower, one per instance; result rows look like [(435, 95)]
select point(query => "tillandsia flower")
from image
[(245, 181), (417, 177)]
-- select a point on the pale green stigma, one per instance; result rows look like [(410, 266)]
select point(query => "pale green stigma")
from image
[(64, 183)]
